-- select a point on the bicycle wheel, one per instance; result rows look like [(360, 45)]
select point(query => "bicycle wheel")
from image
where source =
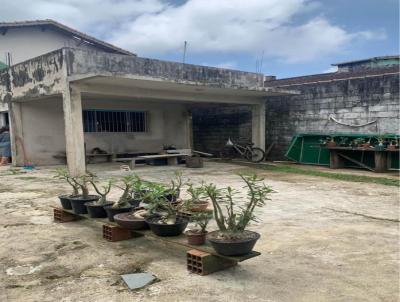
[(255, 155)]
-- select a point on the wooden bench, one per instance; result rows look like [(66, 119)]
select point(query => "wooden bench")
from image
[(172, 159), (200, 259)]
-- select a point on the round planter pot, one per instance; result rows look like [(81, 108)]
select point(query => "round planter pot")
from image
[(66, 201), (96, 211), (195, 238), (167, 230), (125, 220), (114, 211), (199, 206), (78, 203), (233, 247)]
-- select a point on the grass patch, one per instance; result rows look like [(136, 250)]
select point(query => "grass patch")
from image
[(338, 176)]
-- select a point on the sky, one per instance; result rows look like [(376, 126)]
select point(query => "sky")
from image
[(284, 38)]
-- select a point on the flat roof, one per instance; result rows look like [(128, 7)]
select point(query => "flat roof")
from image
[(369, 59)]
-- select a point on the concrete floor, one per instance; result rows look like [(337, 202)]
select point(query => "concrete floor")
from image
[(311, 251)]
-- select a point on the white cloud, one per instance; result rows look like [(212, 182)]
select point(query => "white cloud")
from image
[(153, 27), (330, 69)]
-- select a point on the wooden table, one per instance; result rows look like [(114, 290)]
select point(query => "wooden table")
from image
[(337, 157)]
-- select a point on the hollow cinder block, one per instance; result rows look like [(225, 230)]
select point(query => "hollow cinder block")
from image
[(60, 215), (114, 233), (202, 263)]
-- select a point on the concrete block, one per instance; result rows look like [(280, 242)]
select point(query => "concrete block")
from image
[(387, 114), (377, 108)]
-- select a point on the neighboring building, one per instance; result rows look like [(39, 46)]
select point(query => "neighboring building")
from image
[(28, 39), (362, 97)]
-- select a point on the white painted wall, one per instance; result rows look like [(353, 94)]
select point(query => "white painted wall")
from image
[(167, 125), (28, 42), (44, 136), (43, 130)]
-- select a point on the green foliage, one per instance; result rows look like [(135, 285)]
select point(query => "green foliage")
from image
[(63, 174), (201, 219), (176, 183), (231, 216), (103, 190), (128, 182)]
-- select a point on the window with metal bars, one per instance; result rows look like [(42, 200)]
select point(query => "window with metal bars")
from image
[(114, 121)]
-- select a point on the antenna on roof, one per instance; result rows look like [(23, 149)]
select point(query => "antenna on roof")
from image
[(184, 52)]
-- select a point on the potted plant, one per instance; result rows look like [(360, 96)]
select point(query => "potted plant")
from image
[(65, 200), (134, 220), (232, 218), (330, 142), (122, 205), (172, 194), (366, 144), (164, 219), (197, 236), (197, 202), (78, 202), (96, 208)]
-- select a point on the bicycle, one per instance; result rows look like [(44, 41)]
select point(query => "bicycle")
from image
[(253, 154)]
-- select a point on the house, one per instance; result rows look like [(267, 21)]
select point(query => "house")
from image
[(98, 96)]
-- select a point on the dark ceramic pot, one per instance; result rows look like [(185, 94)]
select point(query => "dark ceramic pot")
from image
[(233, 247), (114, 211), (126, 221), (167, 230), (96, 211), (78, 203), (66, 201), (195, 238)]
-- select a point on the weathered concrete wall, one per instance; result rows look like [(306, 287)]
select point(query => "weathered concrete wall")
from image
[(167, 126), (96, 63), (40, 76), (213, 126), (352, 101)]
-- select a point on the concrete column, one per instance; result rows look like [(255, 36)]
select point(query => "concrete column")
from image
[(16, 134), (74, 138), (258, 125)]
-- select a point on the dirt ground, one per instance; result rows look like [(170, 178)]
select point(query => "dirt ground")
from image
[(314, 245)]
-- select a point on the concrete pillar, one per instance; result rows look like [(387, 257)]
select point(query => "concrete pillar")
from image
[(258, 125), (74, 138), (16, 134)]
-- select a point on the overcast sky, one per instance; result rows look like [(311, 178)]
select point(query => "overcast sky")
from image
[(292, 37)]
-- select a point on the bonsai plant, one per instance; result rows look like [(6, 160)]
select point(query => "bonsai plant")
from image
[(123, 204), (78, 202), (63, 174), (96, 208), (164, 218), (197, 236), (174, 191), (197, 202), (232, 218)]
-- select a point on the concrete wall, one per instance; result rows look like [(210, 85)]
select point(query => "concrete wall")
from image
[(167, 125), (89, 63), (44, 136), (43, 130), (213, 126), (351, 101), (28, 42)]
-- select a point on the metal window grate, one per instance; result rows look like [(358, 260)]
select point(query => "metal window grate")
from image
[(115, 121)]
